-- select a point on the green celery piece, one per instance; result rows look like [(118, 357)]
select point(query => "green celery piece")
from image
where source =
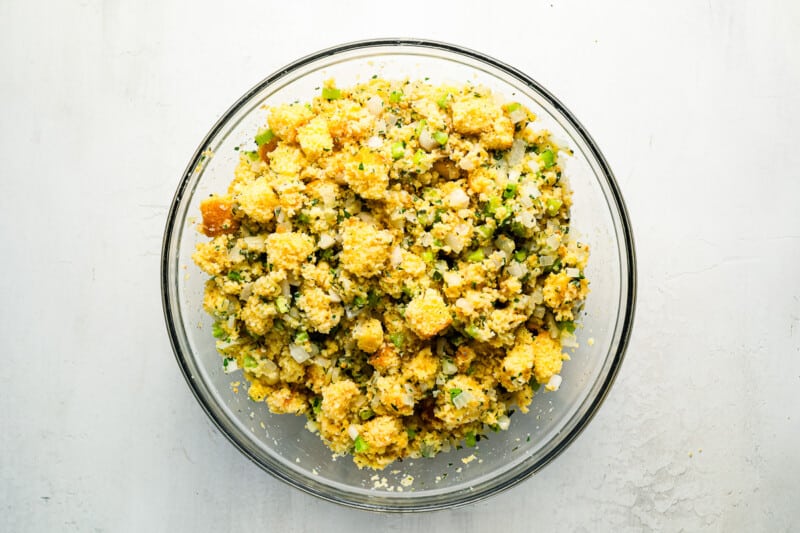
[(398, 150), (331, 93), (476, 256), (360, 445), (264, 136), (440, 137), (548, 158)]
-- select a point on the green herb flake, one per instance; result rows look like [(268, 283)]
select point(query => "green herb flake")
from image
[(234, 276), (454, 392)]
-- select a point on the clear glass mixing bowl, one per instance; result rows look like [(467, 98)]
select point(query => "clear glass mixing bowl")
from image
[(280, 444)]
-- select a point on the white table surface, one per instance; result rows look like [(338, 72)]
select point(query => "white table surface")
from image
[(695, 104)]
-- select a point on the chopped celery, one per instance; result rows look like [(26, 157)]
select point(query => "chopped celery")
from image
[(427, 256), (419, 155), (440, 137), (366, 414), (470, 440), (420, 126), (316, 404), (396, 96), (331, 93), (442, 102), (492, 205), (249, 362), (454, 392), (510, 191), (513, 106), (360, 445), (264, 136), (282, 304), (520, 255), (485, 231), (472, 331), (548, 158), (234, 276), (411, 433), (568, 325), (302, 336), (398, 150), (476, 256), (397, 339), (217, 331), (552, 206)]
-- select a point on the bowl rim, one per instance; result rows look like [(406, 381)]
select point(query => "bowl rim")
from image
[(628, 254)]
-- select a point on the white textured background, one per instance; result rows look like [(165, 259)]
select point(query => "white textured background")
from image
[(696, 105)]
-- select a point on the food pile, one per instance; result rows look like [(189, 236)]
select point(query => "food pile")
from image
[(394, 261)]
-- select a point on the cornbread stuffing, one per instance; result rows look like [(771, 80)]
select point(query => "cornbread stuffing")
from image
[(393, 260)]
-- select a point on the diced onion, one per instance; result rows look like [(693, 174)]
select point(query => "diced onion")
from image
[(457, 198), (352, 312), (449, 368), (536, 296), (235, 255), (375, 105), (568, 340), (426, 140), (352, 430), (554, 383), (455, 242), (546, 260), (517, 269), (397, 256), (464, 305), (374, 142), (516, 152), (461, 399), (530, 190), (505, 245), (452, 278), (326, 241), (553, 242), (573, 272), (247, 291), (391, 119), (503, 422), (518, 115), (334, 296), (299, 353), (254, 242), (286, 291)]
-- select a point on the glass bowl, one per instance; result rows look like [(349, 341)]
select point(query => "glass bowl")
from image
[(280, 444)]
